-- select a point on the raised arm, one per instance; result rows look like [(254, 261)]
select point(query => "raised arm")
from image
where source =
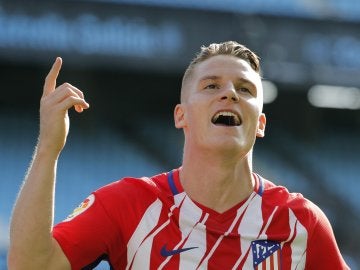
[(31, 242)]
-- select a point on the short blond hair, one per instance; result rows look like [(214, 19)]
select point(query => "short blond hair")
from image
[(232, 48)]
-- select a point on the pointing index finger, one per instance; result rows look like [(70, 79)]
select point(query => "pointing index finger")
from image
[(50, 80)]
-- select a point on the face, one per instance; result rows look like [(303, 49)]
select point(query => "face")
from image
[(222, 105)]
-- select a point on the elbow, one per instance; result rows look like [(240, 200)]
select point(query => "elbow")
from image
[(16, 261)]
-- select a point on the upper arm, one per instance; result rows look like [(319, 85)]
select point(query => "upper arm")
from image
[(58, 259), (55, 259)]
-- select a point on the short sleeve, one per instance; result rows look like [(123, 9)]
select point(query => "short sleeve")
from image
[(87, 235), (322, 249)]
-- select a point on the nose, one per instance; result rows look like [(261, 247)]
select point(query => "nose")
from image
[(230, 93)]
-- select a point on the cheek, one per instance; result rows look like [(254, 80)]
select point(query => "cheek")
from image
[(197, 108), (194, 118), (253, 106), (252, 116), (197, 119)]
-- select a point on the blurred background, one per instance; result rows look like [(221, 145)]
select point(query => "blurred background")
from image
[(128, 56)]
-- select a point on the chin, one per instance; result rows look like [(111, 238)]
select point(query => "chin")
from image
[(231, 147)]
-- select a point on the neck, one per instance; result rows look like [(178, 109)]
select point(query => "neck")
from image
[(217, 181)]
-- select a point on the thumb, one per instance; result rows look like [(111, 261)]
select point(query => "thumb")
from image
[(50, 80)]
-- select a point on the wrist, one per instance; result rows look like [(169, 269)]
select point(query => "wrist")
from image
[(47, 151)]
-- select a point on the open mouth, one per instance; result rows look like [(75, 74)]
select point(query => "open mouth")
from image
[(226, 118)]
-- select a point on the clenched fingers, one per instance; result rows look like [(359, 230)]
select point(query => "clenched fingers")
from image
[(64, 97)]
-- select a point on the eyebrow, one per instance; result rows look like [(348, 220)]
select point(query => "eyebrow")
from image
[(210, 77), (214, 77)]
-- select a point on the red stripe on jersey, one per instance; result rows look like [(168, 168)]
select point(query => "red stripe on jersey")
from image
[(146, 224)]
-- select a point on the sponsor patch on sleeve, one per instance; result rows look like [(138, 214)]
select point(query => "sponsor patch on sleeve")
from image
[(82, 207)]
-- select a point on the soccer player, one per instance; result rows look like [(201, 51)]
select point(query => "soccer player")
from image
[(213, 212)]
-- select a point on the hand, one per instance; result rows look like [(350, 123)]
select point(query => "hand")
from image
[(54, 105)]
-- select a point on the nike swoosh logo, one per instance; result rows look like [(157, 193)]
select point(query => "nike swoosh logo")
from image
[(166, 253)]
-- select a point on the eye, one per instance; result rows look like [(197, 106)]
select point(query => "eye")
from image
[(212, 86), (244, 90)]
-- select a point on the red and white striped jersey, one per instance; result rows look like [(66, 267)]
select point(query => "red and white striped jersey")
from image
[(151, 223)]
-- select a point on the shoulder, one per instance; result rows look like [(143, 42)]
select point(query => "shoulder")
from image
[(306, 211), (306, 223), (295, 211), (129, 188), (280, 195)]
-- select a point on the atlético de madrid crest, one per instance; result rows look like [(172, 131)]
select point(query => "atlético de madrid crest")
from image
[(266, 254)]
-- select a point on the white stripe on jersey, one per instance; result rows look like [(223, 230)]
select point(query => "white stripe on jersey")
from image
[(197, 237), (193, 230), (298, 245), (189, 222), (135, 257), (261, 235), (271, 263), (205, 261), (251, 223)]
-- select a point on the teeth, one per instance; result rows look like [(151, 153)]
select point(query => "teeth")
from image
[(224, 114), (227, 114)]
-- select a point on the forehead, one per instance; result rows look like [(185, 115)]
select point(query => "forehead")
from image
[(226, 66)]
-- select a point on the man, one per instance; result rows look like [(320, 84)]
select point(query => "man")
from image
[(213, 212)]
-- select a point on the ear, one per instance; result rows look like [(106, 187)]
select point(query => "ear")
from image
[(179, 118), (261, 126)]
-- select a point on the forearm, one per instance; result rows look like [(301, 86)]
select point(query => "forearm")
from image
[(32, 220), (31, 242)]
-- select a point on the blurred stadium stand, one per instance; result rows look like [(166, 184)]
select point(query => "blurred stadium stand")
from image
[(128, 56)]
